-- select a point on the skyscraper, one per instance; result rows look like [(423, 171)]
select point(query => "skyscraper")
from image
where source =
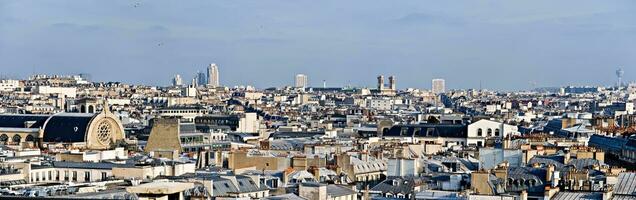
[(201, 78), (177, 81), (619, 75), (213, 75), (301, 81), (439, 86)]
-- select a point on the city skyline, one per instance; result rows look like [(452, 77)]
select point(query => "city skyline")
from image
[(318, 100), (261, 43)]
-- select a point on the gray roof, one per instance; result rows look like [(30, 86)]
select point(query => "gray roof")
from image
[(88, 165), (584, 163), (623, 197), (223, 187), (626, 184), (578, 196), (403, 185), (290, 196), (338, 191)]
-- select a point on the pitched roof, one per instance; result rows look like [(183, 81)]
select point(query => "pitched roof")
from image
[(338, 191), (626, 184), (578, 196)]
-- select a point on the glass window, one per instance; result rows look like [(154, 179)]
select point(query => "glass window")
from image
[(87, 176)]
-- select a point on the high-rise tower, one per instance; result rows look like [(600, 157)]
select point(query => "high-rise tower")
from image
[(619, 75), (201, 78), (439, 86), (213, 75), (177, 81), (301, 81)]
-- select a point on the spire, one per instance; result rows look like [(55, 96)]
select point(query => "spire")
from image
[(105, 108)]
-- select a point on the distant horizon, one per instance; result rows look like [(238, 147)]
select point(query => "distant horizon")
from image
[(507, 46), (625, 84)]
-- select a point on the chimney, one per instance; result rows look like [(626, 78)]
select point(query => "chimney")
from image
[(550, 172), (524, 195)]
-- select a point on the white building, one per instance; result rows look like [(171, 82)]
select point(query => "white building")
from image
[(9, 85), (380, 103), (249, 123), (483, 129), (213, 75), (177, 81), (439, 86), (64, 91), (301, 81)]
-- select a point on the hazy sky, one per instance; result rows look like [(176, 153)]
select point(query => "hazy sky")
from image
[(505, 44)]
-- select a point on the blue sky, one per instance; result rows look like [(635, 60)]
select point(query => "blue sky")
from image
[(504, 44)]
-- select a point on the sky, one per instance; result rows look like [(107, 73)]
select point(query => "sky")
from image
[(505, 45)]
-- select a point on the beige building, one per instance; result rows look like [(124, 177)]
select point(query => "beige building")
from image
[(82, 130)]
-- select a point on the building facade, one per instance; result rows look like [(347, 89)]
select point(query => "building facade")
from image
[(213, 75)]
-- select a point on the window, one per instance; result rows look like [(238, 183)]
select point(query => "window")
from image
[(87, 176), (404, 131), (74, 175), (497, 132), (104, 176), (50, 175), (479, 143), (479, 132), (66, 175), (489, 132)]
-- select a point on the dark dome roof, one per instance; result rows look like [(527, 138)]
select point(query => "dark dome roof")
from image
[(17, 121), (67, 127)]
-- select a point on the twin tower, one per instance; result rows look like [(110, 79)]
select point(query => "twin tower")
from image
[(382, 87)]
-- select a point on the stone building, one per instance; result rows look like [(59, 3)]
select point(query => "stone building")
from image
[(82, 130)]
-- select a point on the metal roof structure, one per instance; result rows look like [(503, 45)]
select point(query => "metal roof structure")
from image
[(626, 184)]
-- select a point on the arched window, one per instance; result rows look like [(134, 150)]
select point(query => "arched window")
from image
[(479, 132), (16, 138), (83, 109), (489, 132), (4, 138), (91, 109), (497, 132), (29, 138)]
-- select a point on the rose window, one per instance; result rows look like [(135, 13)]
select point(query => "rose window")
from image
[(104, 132)]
